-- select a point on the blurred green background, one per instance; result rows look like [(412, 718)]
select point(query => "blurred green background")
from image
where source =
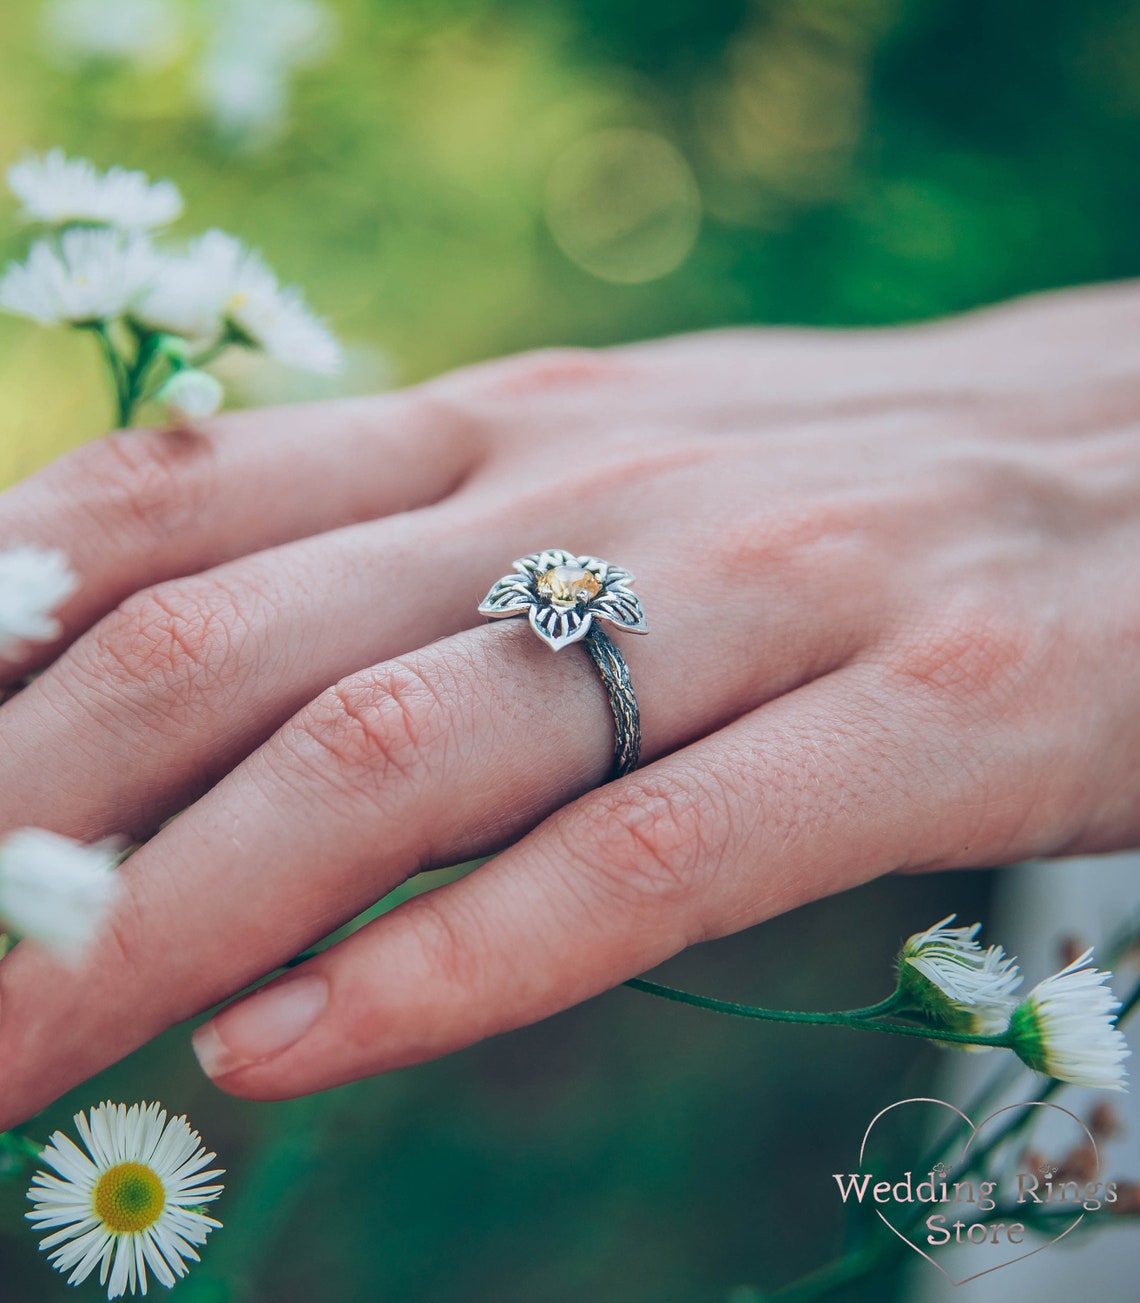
[(455, 179)]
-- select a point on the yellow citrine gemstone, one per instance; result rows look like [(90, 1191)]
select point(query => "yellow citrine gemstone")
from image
[(568, 585)]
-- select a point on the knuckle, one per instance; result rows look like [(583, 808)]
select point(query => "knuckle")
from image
[(455, 945), (792, 540), (442, 407), (454, 951), (124, 934), (662, 464), (170, 640), (651, 843), (976, 655), (544, 371), (375, 724), (154, 481)]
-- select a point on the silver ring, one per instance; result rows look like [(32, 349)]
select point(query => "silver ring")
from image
[(564, 596)]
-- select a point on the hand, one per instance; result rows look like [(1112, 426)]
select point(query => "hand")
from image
[(890, 582)]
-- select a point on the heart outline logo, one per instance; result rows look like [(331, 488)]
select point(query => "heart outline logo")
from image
[(974, 1129)]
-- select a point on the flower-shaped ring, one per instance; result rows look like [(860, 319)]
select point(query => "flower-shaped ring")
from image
[(564, 596)]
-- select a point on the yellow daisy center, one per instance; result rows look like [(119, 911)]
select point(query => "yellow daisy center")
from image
[(129, 1197)]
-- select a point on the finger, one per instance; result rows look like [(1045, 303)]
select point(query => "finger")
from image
[(183, 680), (426, 760), (140, 506), (804, 797)]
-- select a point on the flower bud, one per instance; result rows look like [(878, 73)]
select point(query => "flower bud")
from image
[(191, 395), (947, 979)]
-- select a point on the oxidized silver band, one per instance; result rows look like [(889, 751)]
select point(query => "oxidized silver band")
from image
[(564, 595)]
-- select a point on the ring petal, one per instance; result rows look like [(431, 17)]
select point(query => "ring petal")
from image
[(557, 628), (510, 595), (621, 607), (538, 563)]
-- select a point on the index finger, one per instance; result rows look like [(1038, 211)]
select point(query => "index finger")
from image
[(140, 506)]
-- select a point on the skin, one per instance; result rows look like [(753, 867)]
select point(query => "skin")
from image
[(890, 582)]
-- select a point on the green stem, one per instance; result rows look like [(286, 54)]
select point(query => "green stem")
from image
[(979, 1104), (19, 1145), (120, 378), (302, 958), (858, 1019), (891, 1005), (1130, 1004), (825, 1280), (211, 354), (153, 352), (864, 1262)]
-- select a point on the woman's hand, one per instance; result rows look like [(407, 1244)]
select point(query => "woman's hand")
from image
[(891, 582)]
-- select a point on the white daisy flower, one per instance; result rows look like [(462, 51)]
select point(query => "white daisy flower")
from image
[(293, 33), (1066, 1028), (147, 32), (276, 320), (57, 891), (191, 394), (219, 285), (188, 296), (60, 190), (247, 96), (253, 49), (87, 276), (945, 975), (34, 582), (131, 1202)]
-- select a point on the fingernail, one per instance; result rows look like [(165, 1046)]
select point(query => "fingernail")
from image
[(261, 1026)]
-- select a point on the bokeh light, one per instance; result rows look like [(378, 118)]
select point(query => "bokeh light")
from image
[(624, 205)]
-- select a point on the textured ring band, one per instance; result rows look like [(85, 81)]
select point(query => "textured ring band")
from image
[(564, 595)]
